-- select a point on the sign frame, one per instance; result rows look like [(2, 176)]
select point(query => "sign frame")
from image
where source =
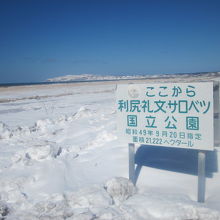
[(201, 152), (188, 118)]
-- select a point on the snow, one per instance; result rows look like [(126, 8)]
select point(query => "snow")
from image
[(60, 158), (93, 77), (120, 189)]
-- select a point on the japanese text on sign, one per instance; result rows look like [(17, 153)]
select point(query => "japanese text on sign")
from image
[(173, 115)]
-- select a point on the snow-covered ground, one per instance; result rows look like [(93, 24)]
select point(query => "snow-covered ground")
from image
[(60, 158)]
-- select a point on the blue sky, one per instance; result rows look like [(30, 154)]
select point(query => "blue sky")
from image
[(40, 39)]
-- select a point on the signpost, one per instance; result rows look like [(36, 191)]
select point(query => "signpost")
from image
[(176, 115)]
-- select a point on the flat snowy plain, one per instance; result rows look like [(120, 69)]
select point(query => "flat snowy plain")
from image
[(60, 158)]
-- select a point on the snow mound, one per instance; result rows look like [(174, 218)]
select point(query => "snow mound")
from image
[(22, 216), (82, 113), (52, 210), (120, 189), (102, 138), (37, 152), (85, 215), (61, 119), (4, 210), (21, 130), (110, 213), (96, 202), (42, 125), (14, 196), (5, 132), (11, 190), (166, 207), (92, 197)]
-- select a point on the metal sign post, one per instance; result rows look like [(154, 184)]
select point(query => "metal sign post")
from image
[(216, 113), (131, 152), (201, 176)]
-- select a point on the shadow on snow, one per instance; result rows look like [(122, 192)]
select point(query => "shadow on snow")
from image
[(174, 159)]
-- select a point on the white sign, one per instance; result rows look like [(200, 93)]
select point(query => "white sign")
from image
[(167, 114)]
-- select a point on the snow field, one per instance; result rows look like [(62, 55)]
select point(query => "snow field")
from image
[(60, 159)]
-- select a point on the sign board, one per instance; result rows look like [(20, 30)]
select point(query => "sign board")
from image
[(168, 114)]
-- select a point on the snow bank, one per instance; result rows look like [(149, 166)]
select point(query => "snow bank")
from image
[(95, 202), (4, 210), (166, 207), (44, 126), (40, 152), (5, 133), (81, 113), (119, 200), (120, 189), (92, 197)]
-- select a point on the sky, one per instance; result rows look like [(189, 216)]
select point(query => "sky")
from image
[(41, 39)]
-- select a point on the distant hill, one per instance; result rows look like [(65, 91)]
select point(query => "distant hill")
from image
[(92, 77)]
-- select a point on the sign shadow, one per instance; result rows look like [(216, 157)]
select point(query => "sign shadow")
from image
[(173, 159)]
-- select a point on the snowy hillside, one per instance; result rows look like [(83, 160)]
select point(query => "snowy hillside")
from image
[(60, 158), (92, 77)]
